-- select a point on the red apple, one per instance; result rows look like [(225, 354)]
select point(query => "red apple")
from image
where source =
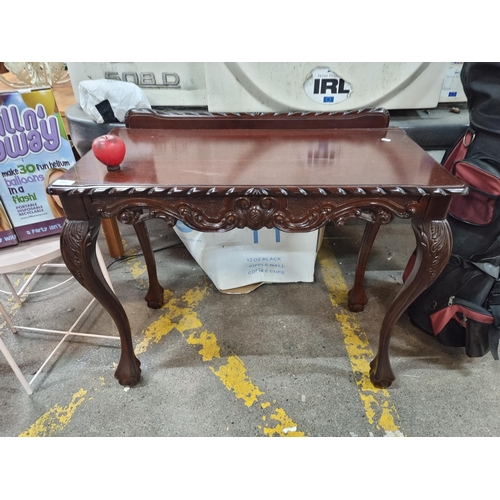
[(109, 150)]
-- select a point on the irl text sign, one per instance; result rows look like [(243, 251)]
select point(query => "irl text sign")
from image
[(324, 86)]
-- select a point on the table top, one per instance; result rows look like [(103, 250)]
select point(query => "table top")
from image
[(268, 161)]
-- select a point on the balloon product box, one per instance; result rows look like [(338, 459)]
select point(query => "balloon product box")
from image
[(34, 151), (240, 260), (7, 234)]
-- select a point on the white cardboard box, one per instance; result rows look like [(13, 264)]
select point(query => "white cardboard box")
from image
[(240, 260)]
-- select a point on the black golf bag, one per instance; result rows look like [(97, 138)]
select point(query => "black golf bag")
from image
[(462, 307)]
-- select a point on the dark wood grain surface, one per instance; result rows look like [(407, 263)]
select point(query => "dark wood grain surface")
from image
[(315, 159)]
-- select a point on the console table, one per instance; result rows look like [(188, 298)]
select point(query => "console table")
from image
[(291, 177)]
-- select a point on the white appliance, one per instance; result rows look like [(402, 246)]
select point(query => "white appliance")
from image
[(283, 86), (419, 95)]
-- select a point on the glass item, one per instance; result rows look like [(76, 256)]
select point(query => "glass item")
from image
[(35, 74)]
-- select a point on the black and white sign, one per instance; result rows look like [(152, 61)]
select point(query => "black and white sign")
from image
[(326, 87)]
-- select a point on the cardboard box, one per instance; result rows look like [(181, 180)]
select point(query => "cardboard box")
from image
[(240, 260), (34, 151), (7, 234)]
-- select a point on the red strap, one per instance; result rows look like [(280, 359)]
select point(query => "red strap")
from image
[(441, 318), (479, 179), (459, 151)]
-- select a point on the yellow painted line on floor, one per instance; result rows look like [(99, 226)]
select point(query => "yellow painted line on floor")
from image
[(380, 411), (234, 376), (179, 315), (56, 419), (231, 371)]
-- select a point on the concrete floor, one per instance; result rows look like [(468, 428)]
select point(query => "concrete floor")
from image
[(283, 360)]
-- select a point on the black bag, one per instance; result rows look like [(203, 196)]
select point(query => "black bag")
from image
[(462, 307)]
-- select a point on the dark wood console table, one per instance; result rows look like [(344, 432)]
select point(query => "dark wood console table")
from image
[(293, 174)]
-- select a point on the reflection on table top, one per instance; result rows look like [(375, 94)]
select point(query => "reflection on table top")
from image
[(205, 159)]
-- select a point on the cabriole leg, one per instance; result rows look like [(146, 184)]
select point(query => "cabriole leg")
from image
[(154, 296), (78, 249), (434, 242), (357, 298)]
